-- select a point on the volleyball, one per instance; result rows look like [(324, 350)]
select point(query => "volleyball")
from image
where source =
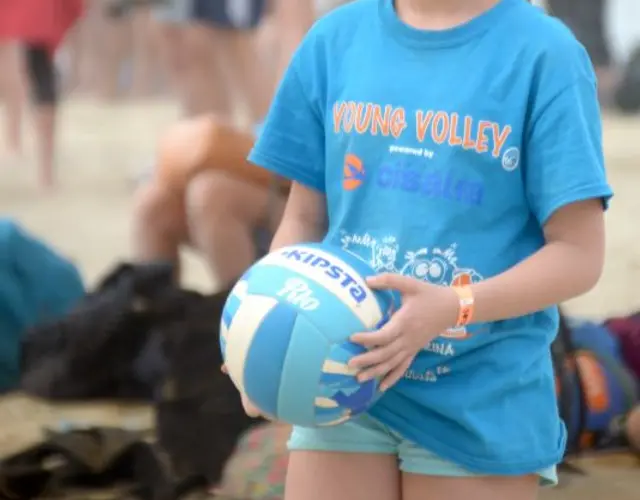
[(285, 333)]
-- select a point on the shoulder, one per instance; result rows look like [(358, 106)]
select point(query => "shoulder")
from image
[(322, 54), (552, 50)]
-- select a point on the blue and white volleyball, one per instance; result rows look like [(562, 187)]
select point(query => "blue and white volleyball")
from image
[(286, 328)]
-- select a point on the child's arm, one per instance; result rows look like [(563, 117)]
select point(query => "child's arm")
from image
[(304, 218), (569, 264)]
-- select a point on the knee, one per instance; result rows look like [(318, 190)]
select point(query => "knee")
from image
[(157, 210), (185, 148)]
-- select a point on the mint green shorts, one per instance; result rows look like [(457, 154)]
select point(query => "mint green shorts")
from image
[(364, 434)]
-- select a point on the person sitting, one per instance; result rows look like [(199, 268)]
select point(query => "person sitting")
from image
[(204, 193)]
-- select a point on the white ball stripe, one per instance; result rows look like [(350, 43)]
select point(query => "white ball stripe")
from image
[(241, 331), (323, 402), (336, 368)]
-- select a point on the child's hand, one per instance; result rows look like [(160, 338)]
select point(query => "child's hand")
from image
[(427, 311), (249, 408)]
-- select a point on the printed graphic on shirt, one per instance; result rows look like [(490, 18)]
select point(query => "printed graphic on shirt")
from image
[(436, 265), (413, 177), (429, 128)]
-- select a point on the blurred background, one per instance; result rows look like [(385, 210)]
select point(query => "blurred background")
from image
[(97, 96), (115, 72)]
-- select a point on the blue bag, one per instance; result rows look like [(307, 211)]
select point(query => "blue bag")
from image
[(36, 285)]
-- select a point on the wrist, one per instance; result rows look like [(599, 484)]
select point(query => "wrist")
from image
[(466, 305), (451, 305)]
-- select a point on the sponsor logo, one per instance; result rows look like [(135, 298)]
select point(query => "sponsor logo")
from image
[(331, 270), (413, 178), (401, 176), (353, 173)]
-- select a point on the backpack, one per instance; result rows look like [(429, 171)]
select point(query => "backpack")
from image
[(199, 414), (92, 351), (37, 285), (140, 336), (595, 390)]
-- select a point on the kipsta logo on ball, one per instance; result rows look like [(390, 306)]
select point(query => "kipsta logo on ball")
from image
[(332, 271)]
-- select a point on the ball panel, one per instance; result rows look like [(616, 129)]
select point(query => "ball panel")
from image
[(241, 332), (357, 399), (224, 331), (327, 415), (235, 298), (339, 357), (339, 385), (388, 300), (301, 371), (311, 299), (318, 265), (265, 358)]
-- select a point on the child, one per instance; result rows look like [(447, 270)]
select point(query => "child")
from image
[(456, 146)]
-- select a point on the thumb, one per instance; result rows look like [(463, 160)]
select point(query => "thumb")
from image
[(392, 281)]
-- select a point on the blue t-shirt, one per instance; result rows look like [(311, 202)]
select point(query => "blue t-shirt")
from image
[(442, 155)]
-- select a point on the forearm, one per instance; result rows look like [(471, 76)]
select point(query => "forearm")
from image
[(557, 272)]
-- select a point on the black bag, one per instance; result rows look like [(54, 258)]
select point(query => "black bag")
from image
[(91, 352), (139, 335), (199, 414)]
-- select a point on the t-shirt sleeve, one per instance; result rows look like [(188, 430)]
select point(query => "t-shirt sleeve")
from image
[(564, 155), (291, 143)]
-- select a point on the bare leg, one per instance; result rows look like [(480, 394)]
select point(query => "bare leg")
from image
[(316, 475), (209, 90), (159, 223), (223, 215), (202, 170), (142, 53), (183, 66), (114, 38), (44, 89), (90, 34), (45, 123), (12, 87), (417, 487), (292, 19), (246, 69)]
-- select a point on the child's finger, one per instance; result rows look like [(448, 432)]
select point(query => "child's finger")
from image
[(383, 369), (224, 369), (392, 281), (385, 335), (375, 356), (396, 374)]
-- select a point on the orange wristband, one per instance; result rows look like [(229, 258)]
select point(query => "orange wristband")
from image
[(467, 302)]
